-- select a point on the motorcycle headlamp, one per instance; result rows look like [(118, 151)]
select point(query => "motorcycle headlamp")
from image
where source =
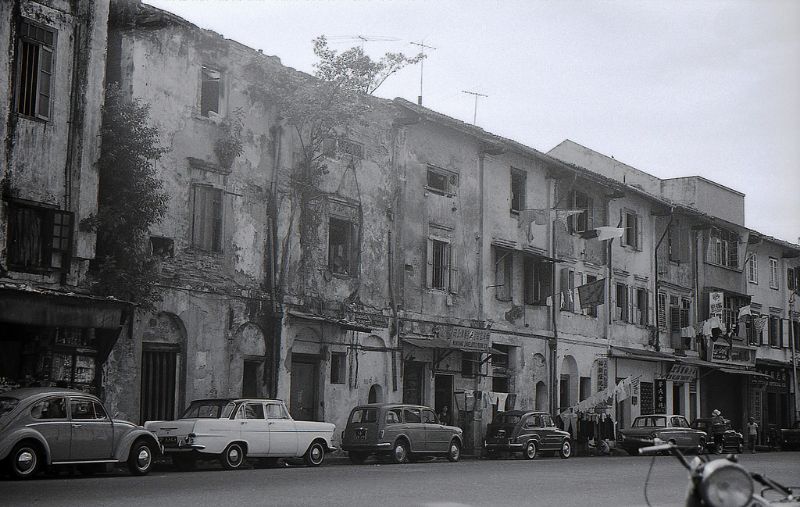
[(726, 484)]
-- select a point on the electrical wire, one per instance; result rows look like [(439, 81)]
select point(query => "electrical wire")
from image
[(647, 480)]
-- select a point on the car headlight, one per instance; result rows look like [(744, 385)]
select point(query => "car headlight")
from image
[(726, 484)]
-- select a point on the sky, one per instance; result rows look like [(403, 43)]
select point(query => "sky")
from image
[(677, 88)]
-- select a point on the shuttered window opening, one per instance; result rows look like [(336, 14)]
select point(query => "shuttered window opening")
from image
[(159, 368), (35, 69), (207, 219)]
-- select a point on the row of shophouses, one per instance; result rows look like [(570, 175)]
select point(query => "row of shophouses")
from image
[(437, 263)]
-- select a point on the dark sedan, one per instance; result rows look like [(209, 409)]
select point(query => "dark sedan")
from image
[(46, 426), (790, 437), (526, 432)]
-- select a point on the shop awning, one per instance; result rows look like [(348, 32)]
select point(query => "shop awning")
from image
[(438, 343), (26, 305), (696, 361), (737, 371), (773, 363), (640, 354), (344, 324)]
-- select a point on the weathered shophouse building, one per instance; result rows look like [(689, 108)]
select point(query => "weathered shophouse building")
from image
[(52, 332), (264, 293)]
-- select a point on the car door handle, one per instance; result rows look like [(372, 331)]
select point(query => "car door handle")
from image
[(271, 423), (77, 425)]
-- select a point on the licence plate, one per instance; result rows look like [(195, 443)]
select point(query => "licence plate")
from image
[(361, 434), (171, 441)]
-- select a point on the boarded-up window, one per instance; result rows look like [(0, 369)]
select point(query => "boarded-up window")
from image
[(678, 242), (34, 69), (207, 219)]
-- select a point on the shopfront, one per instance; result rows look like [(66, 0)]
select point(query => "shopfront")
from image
[(49, 338), (771, 397)]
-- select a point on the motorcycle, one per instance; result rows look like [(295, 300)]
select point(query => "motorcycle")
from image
[(724, 482)]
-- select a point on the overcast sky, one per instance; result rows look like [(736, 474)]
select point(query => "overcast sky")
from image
[(674, 88)]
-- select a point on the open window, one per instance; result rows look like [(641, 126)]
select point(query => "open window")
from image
[(517, 190), (35, 65), (585, 220), (39, 238), (210, 91)]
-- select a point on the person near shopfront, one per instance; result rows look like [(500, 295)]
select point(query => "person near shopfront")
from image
[(444, 416), (752, 434), (717, 429)]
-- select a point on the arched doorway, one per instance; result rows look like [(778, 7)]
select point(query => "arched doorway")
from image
[(163, 350), (542, 402), (375, 394), (568, 383)]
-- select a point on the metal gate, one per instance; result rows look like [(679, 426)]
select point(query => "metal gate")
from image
[(158, 384)]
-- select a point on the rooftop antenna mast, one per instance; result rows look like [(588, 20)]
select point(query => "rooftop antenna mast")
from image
[(423, 47), (338, 39), (475, 111)]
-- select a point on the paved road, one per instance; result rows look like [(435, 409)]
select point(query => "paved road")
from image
[(582, 482)]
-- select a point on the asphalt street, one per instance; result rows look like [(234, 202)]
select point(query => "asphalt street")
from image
[(589, 481)]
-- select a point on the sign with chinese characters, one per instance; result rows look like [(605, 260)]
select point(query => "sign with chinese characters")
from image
[(465, 338), (682, 373), (602, 374), (715, 303), (778, 378), (660, 395)]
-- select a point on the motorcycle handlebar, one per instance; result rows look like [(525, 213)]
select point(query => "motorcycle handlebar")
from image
[(656, 448)]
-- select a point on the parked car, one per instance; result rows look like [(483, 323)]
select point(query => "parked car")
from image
[(732, 440), (232, 430), (657, 429), (526, 432), (45, 426), (790, 437), (401, 432)]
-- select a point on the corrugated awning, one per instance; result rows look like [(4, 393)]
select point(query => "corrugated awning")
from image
[(640, 354), (26, 305), (344, 324), (737, 371), (438, 343)]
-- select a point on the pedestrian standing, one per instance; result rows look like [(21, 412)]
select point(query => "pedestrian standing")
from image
[(718, 430), (752, 434)]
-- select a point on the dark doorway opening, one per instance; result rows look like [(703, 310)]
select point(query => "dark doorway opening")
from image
[(304, 393)]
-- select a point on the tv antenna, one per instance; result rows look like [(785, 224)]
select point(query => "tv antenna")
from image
[(423, 47), (475, 111), (343, 39)]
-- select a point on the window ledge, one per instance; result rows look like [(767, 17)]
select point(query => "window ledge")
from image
[(33, 118), (737, 270), (438, 192)]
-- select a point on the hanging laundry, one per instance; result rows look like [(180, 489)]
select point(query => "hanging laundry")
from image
[(743, 311), (501, 401), (687, 332)]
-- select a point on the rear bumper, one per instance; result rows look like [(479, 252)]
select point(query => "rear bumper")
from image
[(380, 446), (502, 447)]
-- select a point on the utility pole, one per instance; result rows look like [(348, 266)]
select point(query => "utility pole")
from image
[(792, 337), (475, 112), (423, 47)]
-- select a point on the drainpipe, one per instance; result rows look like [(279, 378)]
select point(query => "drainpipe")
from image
[(655, 263), (277, 306), (553, 342), (481, 295), (792, 338)]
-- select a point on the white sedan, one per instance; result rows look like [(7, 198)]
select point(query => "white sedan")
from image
[(233, 430)]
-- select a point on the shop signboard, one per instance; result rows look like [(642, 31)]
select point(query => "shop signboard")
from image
[(682, 373), (742, 355), (660, 395), (602, 374), (715, 303), (778, 378), (465, 338)]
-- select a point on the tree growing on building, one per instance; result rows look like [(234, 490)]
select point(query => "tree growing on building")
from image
[(130, 200)]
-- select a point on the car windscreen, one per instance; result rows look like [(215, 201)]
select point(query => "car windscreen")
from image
[(203, 410), (364, 415), (507, 419), (7, 404)]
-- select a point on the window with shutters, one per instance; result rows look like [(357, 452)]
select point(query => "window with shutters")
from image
[(584, 221), (537, 276), (642, 300), (662, 310), (342, 249), (622, 302), (752, 269), (567, 288), (792, 275), (39, 238), (632, 229), (207, 218), (773, 273), (503, 273), (442, 272), (210, 90), (35, 66), (441, 181), (678, 242), (723, 248), (517, 190), (674, 314), (592, 310)]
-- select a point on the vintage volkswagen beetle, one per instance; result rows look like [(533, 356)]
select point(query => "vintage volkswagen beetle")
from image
[(526, 432), (732, 440), (46, 426)]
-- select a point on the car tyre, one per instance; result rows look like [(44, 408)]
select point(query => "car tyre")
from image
[(357, 458), (25, 460), (400, 452), (140, 459), (454, 452), (315, 454), (566, 449), (530, 450), (233, 456)]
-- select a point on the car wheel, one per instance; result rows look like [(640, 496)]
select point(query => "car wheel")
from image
[(315, 454), (184, 463), (701, 446), (400, 452), (25, 460), (232, 457), (140, 459), (357, 458), (454, 454), (566, 449), (530, 450)]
